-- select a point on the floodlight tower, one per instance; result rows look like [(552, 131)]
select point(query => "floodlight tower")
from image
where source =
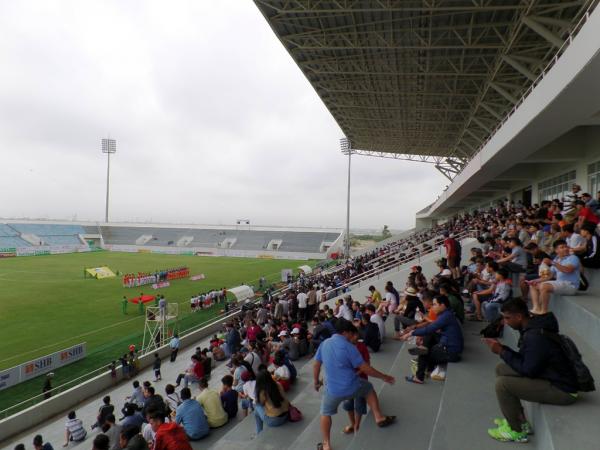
[(109, 146), (346, 147)]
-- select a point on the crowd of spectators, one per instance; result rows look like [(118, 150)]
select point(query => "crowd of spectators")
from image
[(524, 254)]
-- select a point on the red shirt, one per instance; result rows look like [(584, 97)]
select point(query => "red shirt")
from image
[(171, 436), (588, 215), (364, 352), (198, 370), (450, 245)]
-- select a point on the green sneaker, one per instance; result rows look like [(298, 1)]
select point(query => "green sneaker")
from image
[(525, 426), (505, 434)]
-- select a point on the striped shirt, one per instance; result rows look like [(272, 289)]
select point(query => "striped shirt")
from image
[(75, 429)]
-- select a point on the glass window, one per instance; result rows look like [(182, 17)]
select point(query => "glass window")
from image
[(594, 178), (558, 187)]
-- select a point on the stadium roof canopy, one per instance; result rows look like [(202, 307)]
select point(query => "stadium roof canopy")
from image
[(422, 80)]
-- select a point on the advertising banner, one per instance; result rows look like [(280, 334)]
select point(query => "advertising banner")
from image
[(8, 252), (197, 277), (9, 377), (162, 284), (51, 362)]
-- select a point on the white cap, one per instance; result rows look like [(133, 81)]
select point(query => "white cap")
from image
[(296, 331), (283, 333), (446, 273)]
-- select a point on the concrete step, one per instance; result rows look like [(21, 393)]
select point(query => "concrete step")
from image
[(581, 312), (416, 408), (468, 405), (383, 361)]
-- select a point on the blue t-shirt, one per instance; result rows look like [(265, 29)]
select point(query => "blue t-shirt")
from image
[(340, 358), (192, 418), (572, 277)]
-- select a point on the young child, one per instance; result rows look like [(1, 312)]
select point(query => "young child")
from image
[(156, 367), (113, 372), (229, 396)]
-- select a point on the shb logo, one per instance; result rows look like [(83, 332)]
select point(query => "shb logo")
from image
[(71, 353), (38, 365)]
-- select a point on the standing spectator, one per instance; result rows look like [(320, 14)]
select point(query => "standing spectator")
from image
[(357, 407), (213, 408), (233, 339), (452, 248), (565, 270), (539, 372), (156, 366), (47, 389), (38, 443), (168, 436), (174, 345), (341, 359), (302, 299), (191, 417), (74, 430)]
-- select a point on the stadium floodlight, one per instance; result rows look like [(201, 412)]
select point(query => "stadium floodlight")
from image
[(346, 147), (109, 146)]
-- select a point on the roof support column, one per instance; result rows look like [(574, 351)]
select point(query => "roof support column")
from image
[(543, 31)]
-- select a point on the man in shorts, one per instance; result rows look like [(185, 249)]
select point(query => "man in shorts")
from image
[(565, 269), (452, 254), (341, 360)]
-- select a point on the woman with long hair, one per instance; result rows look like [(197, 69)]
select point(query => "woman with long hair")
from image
[(271, 405)]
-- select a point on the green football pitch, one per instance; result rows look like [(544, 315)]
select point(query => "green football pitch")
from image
[(46, 304)]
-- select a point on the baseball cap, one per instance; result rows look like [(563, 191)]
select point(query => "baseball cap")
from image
[(282, 333), (296, 331)]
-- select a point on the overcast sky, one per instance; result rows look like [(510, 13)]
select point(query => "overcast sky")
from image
[(213, 120)]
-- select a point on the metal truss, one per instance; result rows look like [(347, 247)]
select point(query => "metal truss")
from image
[(423, 80), (449, 167)]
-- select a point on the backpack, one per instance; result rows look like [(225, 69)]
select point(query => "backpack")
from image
[(585, 381), (493, 329)]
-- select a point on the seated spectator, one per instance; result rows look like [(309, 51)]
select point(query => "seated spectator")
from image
[(74, 430), (585, 214), (502, 292), (281, 373), (516, 261), (38, 443), (482, 295), (153, 401), (565, 273), (404, 315), (167, 436), (100, 442), (191, 417), (539, 372), (193, 373), (456, 304), (229, 396), (576, 243), (137, 396), (132, 417), (104, 411), (443, 340), (271, 407), (112, 431), (131, 439), (591, 258), (377, 320), (341, 360), (172, 399), (369, 332), (248, 393), (210, 400), (320, 333)]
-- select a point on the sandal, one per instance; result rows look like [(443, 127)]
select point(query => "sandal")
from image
[(349, 429), (413, 379), (387, 421), (321, 446)]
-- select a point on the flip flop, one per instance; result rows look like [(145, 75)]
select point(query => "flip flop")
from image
[(387, 421), (413, 379), (348, 430)]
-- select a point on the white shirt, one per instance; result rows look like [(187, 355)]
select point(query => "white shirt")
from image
[(575, 240), (249, 389), (376, 319), (302, 300), (254, 360), (283, 372)]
